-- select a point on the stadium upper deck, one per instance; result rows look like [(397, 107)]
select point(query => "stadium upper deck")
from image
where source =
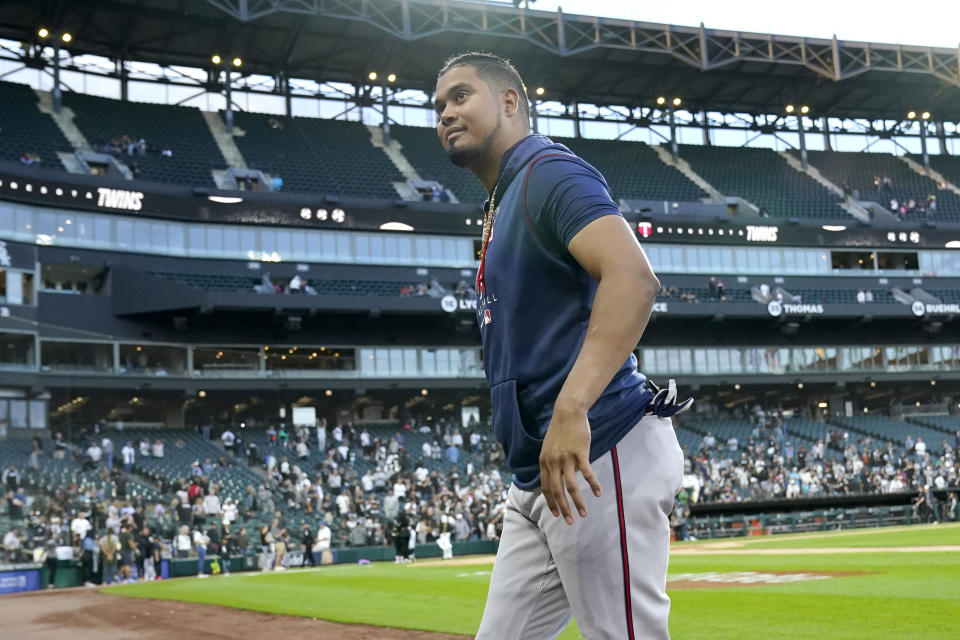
[(345, 159)]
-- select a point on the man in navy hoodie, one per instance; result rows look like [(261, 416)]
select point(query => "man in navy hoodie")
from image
[(564, 294)]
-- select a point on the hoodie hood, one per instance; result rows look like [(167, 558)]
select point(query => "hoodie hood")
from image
[(516, 158)]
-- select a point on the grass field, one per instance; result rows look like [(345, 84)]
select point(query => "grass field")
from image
[(892, 587)]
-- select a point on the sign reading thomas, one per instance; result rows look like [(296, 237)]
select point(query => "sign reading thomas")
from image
[(777, 308)]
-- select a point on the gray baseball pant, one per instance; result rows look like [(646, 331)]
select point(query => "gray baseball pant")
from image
[(608, 570)]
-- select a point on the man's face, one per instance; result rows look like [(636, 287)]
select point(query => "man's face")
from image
[(469, 115)]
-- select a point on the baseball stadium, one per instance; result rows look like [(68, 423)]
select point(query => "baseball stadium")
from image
[(255, 381)]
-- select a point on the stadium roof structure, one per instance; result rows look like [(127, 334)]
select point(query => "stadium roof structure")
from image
[(594, 60)]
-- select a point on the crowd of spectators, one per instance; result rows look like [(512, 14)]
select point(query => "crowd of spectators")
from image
[(360, 491), (343, 486), (432, 289), (30, 159), (772, 465), (132, 146)]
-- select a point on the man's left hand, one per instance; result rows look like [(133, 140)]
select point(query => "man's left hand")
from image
[(566, 449)]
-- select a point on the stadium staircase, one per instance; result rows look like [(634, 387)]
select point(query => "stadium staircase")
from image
[(850, 206), (931, 173), (633, 170), (394, 151), (422, 149), (684, 167), (318, 156), (858, 170), (762, 177), (181, 130), (945, 169), (224, 140), (68, 127)]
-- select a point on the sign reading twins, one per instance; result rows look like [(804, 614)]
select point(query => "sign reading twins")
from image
[(120, 199)]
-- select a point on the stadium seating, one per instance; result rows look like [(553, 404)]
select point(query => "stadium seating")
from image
[(840, 296), (764, 178), (329, 287), (23, 129), (947, 166), (56, 475), (422, 149), (182, 130), (317, 156), (634, 171), (949, 425), (890, 430), (702, 294), (177, 460), (859, 169)]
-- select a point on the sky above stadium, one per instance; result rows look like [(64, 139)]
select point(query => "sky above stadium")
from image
[(925, 23)]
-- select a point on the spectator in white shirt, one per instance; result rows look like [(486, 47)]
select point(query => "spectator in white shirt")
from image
[(228, 439), (129, 456), (158, 449), (211, 503), (79, 527), (182, 543), (366, 482), (229, 511), (343, 504), (321, 543)]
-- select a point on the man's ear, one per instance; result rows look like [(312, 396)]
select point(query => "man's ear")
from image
[(511, 101)]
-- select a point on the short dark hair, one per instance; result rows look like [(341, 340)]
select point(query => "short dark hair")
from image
[(492, 68)]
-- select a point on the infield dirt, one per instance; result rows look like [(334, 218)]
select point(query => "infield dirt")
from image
[(85, 614)]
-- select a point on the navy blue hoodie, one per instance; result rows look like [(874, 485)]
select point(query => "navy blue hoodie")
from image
[(534, 303)]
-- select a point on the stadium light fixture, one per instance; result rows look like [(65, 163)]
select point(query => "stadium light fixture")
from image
[(424, 392), (736, 387), (328, 392), (799, 385), (66, 37), (805, 109), (873, 384), (43, 32), (822, 404), (392, 77), (215, 59), (201, 394), (238, 62), (677, 101), (911, 115), (540, 91), (789, 108), (933, 383), (372, 76), (925, 115), (661, 100)]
